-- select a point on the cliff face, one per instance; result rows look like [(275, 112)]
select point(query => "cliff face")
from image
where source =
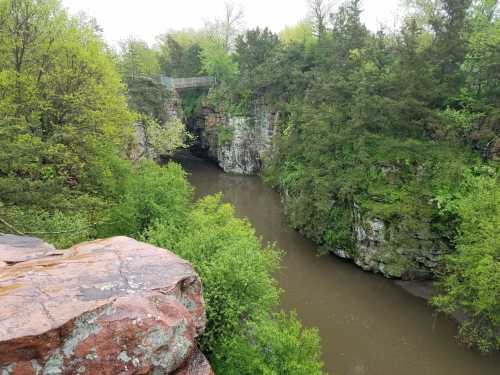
[(239, 144), (114, 306), (390, 250)]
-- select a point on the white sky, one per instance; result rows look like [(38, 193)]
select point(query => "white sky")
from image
[(146, 19)]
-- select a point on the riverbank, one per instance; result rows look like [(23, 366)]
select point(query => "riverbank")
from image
[(369, 325)]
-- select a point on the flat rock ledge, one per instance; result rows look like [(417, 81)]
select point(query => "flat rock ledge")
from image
[(113, 306)]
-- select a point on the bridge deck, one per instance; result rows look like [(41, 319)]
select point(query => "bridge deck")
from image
[(187, 83)]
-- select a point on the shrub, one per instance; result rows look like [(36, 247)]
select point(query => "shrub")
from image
[(152, 193), (278, 345), (235, 269)]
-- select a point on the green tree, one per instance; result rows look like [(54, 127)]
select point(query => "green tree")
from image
[(277, 346), (471, 281), (217, 62), (137, 59), (236, 271), (180, 54), (61, 101)]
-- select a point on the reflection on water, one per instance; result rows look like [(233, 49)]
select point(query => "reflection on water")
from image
[(368, 325)]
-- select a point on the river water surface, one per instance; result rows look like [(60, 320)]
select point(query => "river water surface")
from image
[(368, 325)]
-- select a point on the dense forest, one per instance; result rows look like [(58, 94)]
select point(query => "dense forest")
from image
[(401, 126)]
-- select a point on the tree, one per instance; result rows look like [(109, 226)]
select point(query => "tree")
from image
[(254, 48), (471, 281), (277, 345), (349, 33), (180, 54), (320, 12), (217, 62), (235, 269), (166, 138), (137, 59), (300, 33), (449, 22), (61, 94), (229, 27)]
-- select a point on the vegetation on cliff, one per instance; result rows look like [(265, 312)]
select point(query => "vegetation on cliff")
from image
[(399, 127), (67, 175)]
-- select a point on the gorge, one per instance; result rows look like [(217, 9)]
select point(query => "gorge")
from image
[(368, 324), (333, 188)]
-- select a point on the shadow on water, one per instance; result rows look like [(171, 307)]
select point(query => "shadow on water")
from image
[(368, 324)]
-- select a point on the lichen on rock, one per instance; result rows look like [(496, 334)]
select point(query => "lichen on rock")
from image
[(114, 306)]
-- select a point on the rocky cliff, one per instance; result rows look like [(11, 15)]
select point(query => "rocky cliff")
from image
[(389, 249), (114, 306), (239, 144)]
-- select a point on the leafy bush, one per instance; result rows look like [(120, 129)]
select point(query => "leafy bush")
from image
[(151, 194), (235, 270), (224, 135), (471, 281), (56, 227), (276, 346), (164, 139), (241, 336)]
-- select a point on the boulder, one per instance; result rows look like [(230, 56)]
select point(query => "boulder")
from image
[(17, 249), (114, 306)]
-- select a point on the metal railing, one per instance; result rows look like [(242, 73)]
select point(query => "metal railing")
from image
[(187, 83)]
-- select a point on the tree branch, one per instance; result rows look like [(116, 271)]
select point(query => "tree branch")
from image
[(11, 227)]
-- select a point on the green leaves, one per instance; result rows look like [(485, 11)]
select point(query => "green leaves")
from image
[(242, 336), (151, 194), (275, 346), (217, 62), (471, 280), (235, 269), (61, 99)]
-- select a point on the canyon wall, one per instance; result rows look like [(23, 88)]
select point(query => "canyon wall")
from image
[(239, 144)]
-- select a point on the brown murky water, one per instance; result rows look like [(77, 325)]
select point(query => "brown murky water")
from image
[(368, 325)]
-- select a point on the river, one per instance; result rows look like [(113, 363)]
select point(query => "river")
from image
[(368, 324)]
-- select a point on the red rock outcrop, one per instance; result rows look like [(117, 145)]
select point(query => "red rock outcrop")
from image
[(114, 306)]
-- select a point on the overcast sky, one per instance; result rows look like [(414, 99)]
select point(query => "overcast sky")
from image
[(148, 18)]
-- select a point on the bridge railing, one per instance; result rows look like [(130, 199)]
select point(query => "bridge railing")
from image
[(186, 83)]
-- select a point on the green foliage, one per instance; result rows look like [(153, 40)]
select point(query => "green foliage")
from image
[(224, 135), (301, 33), (137, 59), (61, 100), (151, 194), (236, 271), (471, 280), (167, 138), (180, 54), (139, 66), (147, 96), (217, 62), (56, 227), (276, 346), (65, 135), (378, 126)]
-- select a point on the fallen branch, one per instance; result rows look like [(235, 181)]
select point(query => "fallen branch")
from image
[(11, 227)]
